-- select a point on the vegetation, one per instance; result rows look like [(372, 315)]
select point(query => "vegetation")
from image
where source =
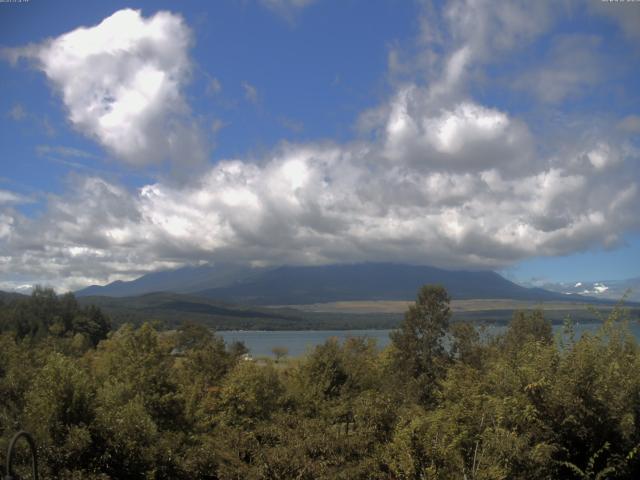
[(171, 310), (279, 352), (442, 401)]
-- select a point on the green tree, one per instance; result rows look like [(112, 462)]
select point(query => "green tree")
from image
[(237, 349), (250, 393), (419, 351), (59, 411), (466, 346), (526, 327), (324, 373)]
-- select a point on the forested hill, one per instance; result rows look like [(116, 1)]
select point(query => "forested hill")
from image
[(317, 284), (10, 296), (43, 313)]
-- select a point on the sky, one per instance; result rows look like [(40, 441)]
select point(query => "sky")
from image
[(465, 134)]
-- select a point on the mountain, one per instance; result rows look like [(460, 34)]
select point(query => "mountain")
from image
[(371, 281), (10, 296), (291, 285), (181, 280)]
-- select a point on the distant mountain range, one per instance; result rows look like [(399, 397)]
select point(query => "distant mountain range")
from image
[(231, 297), (603, 289), (295, 285)]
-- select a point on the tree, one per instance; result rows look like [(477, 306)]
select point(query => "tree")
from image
[(419, 351), (280, 352), (45, 314), (324, 372), (528, 327), (250, 393), (59, 411), (237, 349), (192, 336), (466, 346)]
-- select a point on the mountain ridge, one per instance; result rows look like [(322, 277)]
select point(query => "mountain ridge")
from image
[(181, 280), (320, 284)]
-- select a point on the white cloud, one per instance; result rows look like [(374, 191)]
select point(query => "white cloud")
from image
[(490, 28), (600, 287), (603, 156), (597, 289), (121, 82), (12, 198), (6, 226), (460, 37), (250, 92), (461, 136), (441, 179), (16, 287), (608, 289), (572, 66), (432, 202)]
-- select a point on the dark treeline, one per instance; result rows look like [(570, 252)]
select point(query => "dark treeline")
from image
[(137, 403)]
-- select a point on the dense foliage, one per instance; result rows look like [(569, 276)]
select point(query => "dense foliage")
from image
[(442, 401)]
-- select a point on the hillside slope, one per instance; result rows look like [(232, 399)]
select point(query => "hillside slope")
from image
[(370, 281)]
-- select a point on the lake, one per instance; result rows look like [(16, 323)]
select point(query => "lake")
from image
[(260, 343)]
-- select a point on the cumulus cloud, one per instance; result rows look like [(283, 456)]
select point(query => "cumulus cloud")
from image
[(440, 179), (324, 203), (569, 70), (121, 82), (463, 136)]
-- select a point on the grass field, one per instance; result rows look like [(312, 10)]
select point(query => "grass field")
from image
[(393, 306)]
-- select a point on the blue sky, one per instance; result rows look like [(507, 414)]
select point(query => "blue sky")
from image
[(138, 136)]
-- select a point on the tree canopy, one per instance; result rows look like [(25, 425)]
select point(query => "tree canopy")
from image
[(443, 400)]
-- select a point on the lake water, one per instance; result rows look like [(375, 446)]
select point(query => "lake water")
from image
[(297, 341), (260, 343)]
